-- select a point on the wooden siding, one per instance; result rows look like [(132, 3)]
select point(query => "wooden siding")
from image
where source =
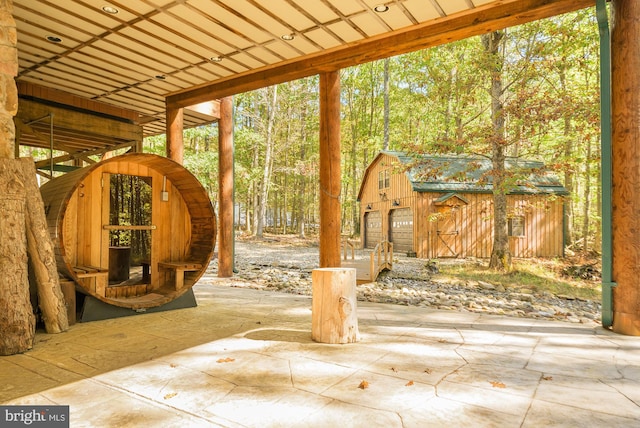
[(85, 244), (462, 226), (399, 192)]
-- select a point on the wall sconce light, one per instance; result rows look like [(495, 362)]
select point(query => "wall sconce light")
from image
[(383, 196), (368, 206), (164, 195), (396, 202)]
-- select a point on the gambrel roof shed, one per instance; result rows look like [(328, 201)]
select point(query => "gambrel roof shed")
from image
[(442, 206), (470, 174)]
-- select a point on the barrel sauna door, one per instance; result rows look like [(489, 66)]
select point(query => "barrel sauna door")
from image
[(127, 202), (448, 241)]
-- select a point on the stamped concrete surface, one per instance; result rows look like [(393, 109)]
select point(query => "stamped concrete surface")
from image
[(245, 358)]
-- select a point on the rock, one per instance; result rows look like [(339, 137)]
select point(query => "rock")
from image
[(486, 285), (521, 296), (407, 284)]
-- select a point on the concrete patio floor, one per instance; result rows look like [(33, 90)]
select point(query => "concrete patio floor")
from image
[(244, 358)]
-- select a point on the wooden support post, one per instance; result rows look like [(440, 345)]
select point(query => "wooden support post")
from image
[(330, 169), (225, 184), (625, 106), (334, 317), (175, 125)]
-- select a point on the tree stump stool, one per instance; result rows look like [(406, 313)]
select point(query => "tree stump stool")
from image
[(334, 317)]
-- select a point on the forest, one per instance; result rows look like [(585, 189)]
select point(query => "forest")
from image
[(530, 91)]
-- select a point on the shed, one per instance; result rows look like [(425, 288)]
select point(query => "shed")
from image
[(94, 239), (442, 206)]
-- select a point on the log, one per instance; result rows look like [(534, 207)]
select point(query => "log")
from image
[(17, 321), (69, 292), (42, 255), (334, 317)]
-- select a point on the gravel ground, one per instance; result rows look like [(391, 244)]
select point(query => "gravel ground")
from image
[(286, 267)]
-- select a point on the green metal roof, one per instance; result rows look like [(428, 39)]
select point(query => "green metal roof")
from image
[(471, 174)]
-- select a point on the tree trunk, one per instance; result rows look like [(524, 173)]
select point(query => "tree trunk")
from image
[(385, 143), (302, 182), (42, 255), (568, 154), (587, 199), (268, 162), (500, 255), (17, 321)]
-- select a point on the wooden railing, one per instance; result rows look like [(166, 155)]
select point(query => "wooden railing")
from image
[(346, 245), (381, 258)]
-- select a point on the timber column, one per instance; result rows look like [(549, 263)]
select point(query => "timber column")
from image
[(625, 108), (225, 185), (330, 169), (175, 126)]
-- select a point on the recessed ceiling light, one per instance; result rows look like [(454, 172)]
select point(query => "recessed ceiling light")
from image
[(160, 76), (381, 8), (110, 9), (54, 39), (287, 37), (215, 59)]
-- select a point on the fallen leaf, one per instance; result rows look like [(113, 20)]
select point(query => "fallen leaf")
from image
[(428, 371), (497, 384), (363, 385), (171, 395), (409, 383), (547, 377), (442, 340), (225, 360), (393, 369)]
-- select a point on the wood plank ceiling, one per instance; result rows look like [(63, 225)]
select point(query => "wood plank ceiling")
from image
[(131, 54)]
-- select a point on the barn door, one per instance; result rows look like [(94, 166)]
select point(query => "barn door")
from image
[(373, 229), (401, 229), (449, 221)]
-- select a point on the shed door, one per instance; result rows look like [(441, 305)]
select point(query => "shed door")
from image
[(448, 242), (373, 229), (401, 229)]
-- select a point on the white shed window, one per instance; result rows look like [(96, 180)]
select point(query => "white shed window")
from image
[(383, 179), (516, 226)]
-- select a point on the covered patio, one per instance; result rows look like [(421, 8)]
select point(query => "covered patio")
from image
[(245, 358)]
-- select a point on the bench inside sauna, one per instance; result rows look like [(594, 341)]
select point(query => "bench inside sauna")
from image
[(134, 231)]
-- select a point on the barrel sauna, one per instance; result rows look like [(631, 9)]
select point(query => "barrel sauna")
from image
[(179, 229)]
